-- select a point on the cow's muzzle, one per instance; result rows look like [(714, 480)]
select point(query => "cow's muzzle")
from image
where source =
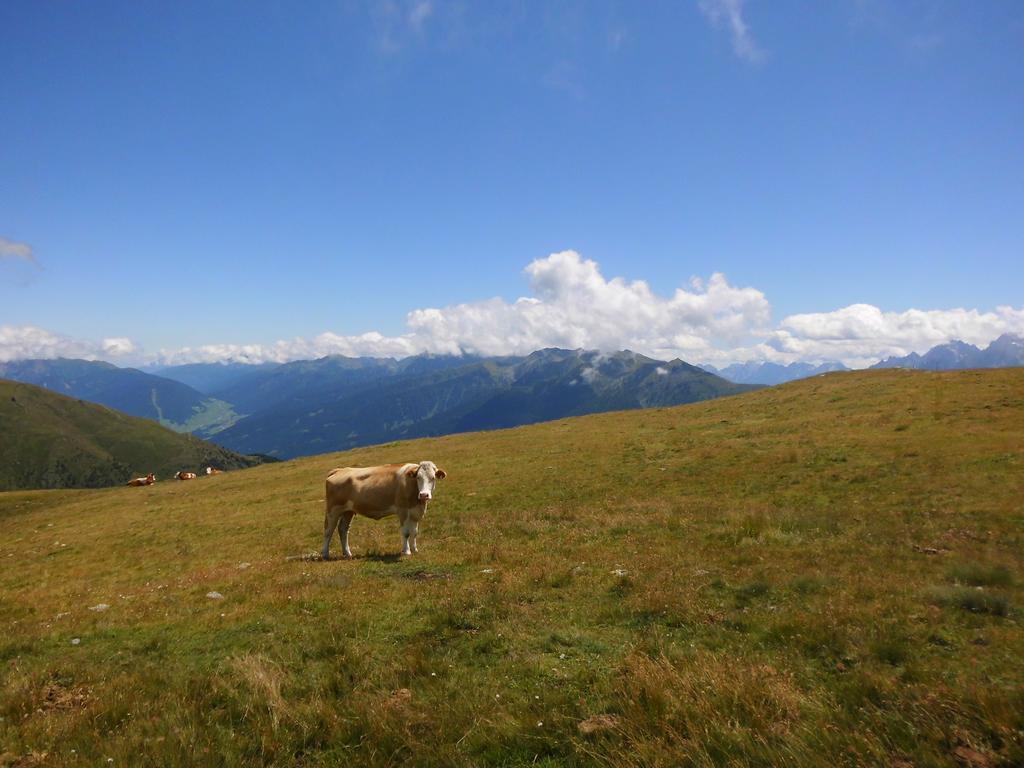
[(424, 497)]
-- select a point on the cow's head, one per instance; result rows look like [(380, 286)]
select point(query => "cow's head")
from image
[(427, 474)]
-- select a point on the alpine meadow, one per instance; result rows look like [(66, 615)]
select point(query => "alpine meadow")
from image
[(827, 572), (512, 384)]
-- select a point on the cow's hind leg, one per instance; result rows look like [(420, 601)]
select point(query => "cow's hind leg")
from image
[(343, 526), (330, 523)]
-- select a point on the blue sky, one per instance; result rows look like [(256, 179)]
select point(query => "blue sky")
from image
[(278, 180)]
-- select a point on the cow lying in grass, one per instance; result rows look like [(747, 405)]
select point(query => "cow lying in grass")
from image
[(147, 480), (186, 475), (377, 492)]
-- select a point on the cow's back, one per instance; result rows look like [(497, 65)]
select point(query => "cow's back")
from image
[(370, 491)]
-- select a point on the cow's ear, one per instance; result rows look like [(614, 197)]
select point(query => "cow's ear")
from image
[(441, 474), (412, 472)]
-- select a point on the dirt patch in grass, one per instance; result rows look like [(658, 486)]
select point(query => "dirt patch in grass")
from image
[(426, 575), (55, 697)]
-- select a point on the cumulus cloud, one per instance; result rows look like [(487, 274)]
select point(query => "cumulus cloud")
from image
[(23, 342), (861, 333), (729, 13), (571, 305), (118, 346), (13, 250)]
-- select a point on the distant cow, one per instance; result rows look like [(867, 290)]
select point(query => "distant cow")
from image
[(186, 475), (212, 471), (377, 492), (147, 480)]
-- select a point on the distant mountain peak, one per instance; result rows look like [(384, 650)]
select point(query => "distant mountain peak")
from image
[(1007, 351)]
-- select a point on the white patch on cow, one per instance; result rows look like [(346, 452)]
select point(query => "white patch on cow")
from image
[(426, 480)]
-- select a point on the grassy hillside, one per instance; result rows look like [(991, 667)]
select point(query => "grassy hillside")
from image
[(825, 573), (52, 441)]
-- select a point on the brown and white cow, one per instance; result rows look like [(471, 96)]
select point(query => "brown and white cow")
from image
[(186, 475), (147, 480), (212, 471), (377, 492)]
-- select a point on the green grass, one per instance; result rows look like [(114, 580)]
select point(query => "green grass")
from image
[(778, 578)]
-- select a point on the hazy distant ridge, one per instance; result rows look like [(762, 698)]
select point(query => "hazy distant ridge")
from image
[(772, 373)]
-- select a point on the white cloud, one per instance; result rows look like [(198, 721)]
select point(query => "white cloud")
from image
[(22, 342), (11, 249), (861, 333), (118, 346), (370, 344), (571, 304), (730, 13)]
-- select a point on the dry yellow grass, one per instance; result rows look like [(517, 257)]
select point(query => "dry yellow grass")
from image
[(824, 573)]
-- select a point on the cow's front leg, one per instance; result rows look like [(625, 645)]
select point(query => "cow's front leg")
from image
[(414, 532), (407, 528), (343, 526), (415, 515)]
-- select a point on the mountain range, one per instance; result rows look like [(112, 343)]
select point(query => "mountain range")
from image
[(210, 377), (337, 403), (1005, 352)]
